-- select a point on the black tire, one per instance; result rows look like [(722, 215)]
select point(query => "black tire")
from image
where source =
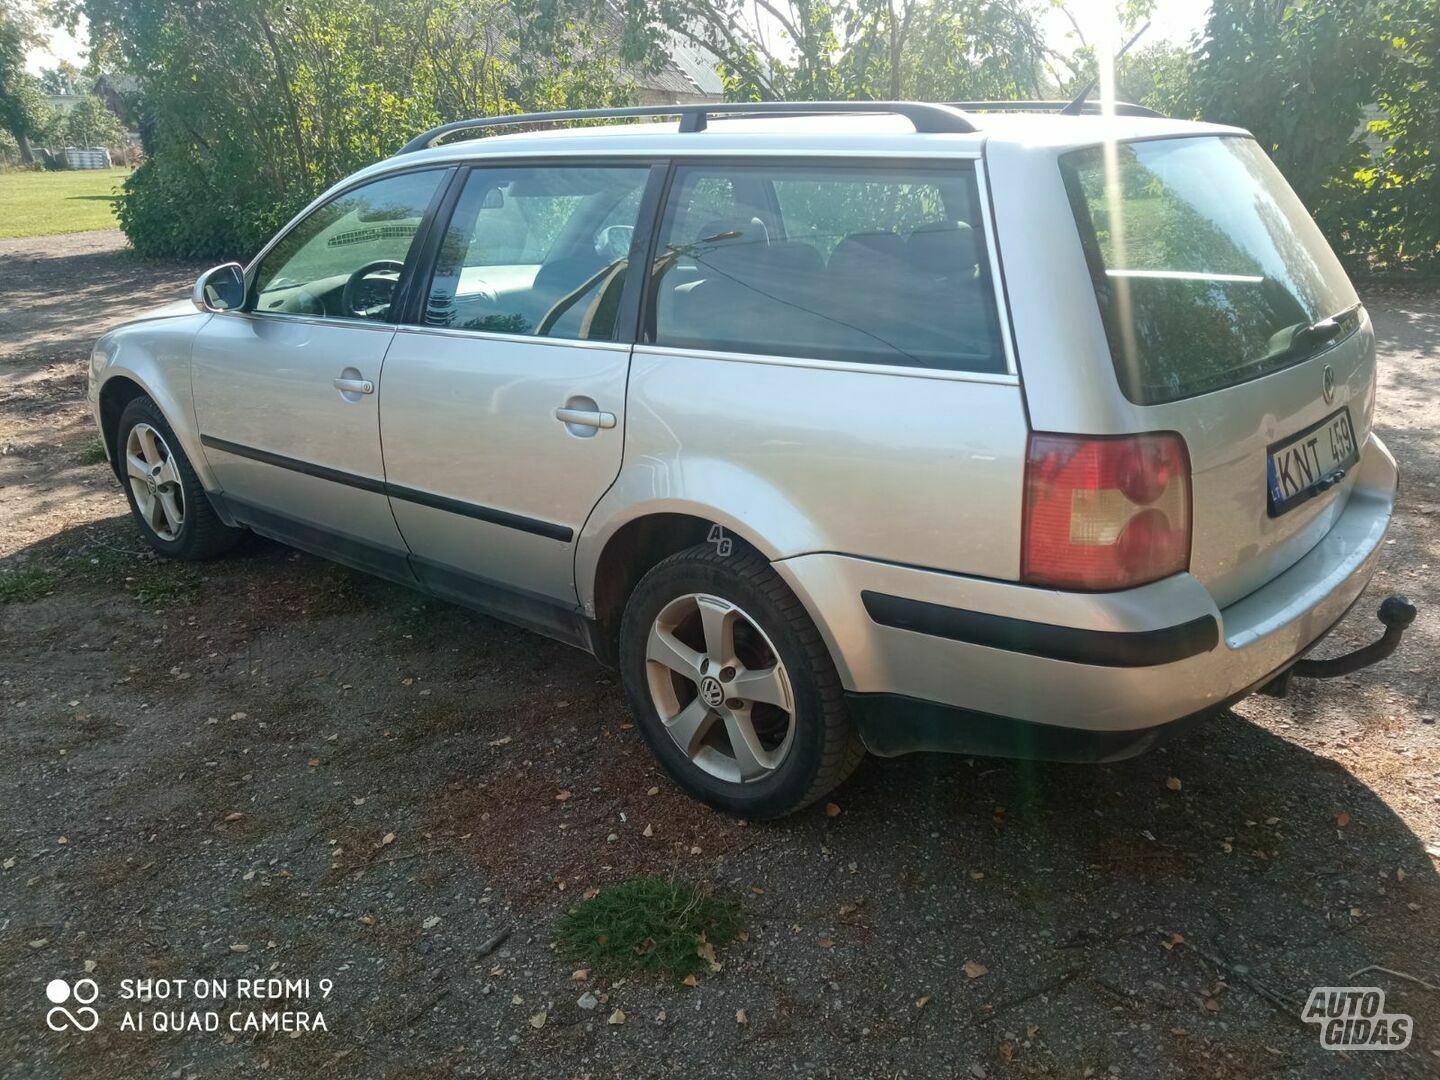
[(202, 535), (825, 749)]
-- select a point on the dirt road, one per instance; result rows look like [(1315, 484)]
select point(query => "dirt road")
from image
[(269, 766)]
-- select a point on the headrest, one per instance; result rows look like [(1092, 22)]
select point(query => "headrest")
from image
[(862, 256), (943, 248)]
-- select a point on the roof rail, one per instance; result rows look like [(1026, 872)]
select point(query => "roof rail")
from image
[(928, 117), (1090, 108)]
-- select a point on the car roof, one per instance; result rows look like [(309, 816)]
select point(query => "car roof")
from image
[(858, 135)]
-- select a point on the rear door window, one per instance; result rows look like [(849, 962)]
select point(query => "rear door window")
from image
[(876, 264), (1207, 269), (539, 251)]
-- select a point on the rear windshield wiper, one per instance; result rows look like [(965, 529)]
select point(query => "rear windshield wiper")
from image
[(1305, 339), (1311, 337)]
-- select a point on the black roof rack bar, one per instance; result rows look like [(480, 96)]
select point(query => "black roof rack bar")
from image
[(1091, 108), (928, 117)]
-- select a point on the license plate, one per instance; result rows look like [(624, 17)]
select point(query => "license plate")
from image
[(1313, 461)]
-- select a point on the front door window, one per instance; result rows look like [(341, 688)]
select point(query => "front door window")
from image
[(344, 261)]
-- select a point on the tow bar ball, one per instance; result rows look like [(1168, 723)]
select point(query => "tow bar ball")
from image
[(1396, 613)]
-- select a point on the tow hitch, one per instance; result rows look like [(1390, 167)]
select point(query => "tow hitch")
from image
[(1396, 612)]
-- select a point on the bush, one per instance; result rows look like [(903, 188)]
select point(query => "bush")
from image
[(173, 207)]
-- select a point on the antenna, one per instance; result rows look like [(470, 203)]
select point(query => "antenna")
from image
[(1075, 106)]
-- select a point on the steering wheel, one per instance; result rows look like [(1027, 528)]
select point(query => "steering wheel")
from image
[(353, 300)]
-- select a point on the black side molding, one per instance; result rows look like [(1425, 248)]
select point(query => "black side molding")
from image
[(364, 483), (547, 529), (1104, 648)]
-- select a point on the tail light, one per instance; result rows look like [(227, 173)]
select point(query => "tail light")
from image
[(1105, 513)]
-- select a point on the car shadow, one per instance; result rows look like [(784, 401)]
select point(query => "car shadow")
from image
[(1203, 888)]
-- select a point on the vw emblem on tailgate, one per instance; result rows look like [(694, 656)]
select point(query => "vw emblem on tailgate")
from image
[(1327, 383)]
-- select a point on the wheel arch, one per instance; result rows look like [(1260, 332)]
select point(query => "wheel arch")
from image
[(627, 551), (123, 385)]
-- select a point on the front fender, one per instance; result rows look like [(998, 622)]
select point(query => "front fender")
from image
[(155, 356), (743, 503)]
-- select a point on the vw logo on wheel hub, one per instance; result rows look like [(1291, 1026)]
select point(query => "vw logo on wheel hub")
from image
[(711, 692)]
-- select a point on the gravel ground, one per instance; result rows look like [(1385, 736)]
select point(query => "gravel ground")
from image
[(273, 767)]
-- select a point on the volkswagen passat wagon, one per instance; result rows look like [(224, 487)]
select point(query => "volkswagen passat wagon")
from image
[(885, 426)]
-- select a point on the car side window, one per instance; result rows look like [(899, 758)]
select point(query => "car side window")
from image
[(874, 264), (344, 260), (537, 251)]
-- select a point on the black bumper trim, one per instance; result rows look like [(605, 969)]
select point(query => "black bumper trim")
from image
[(1105, 648), (893, 724)]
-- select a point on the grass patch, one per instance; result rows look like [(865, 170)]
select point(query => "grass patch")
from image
[(50, 203), (651, 925), (167, 586), (23, 586), (92, 453)]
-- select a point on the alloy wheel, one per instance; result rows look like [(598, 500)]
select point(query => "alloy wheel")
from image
[(155, 481), (720, 688)]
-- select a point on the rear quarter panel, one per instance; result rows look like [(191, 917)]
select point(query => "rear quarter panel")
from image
[(798, 458)]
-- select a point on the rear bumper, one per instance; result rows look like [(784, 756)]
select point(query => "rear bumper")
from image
[(939, 661)]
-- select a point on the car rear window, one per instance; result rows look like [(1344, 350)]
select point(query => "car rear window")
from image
[(1206, 266), (854, 262)]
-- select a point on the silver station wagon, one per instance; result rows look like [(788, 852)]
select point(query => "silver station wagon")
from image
[(835, 427)]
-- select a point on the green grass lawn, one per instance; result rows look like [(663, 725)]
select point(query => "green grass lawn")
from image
[(47, 203)]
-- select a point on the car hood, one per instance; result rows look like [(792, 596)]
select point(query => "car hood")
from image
[(172, 310)]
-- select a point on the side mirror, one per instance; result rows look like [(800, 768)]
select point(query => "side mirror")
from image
[(221, 288)]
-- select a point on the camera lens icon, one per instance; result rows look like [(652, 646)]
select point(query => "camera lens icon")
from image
[(58, 991)]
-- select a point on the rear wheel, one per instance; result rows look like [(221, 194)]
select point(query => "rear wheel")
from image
[(732, 685), (166, 497)]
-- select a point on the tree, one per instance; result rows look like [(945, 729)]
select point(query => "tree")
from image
[(91, 123), (1343, 95), (252, 107), (1157, 76), (1296, 73), (24, 112), (1392, 203), (812, 49), (64, 79)]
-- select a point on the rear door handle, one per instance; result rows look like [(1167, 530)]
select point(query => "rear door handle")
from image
[(586, 417), (355, 386)]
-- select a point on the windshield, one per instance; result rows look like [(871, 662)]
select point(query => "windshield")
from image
[(1207, 268)]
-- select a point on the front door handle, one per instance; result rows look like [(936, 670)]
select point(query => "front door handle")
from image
[(586, 417), (355, 386)]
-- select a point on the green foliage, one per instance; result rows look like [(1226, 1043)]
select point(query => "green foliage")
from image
[(91, 123), (24, 112), (650, 925), (92, 453), (25, 586), (1342, 94), (167, 585), (257, 106), (935, 50)]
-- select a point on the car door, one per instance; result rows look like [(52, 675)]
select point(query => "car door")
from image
[(285, 389), (504, 400)]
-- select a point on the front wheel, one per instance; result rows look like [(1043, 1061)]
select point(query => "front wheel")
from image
[(166, 497), (733, 686)]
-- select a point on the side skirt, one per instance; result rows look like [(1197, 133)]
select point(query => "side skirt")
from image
[(530, 611)]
